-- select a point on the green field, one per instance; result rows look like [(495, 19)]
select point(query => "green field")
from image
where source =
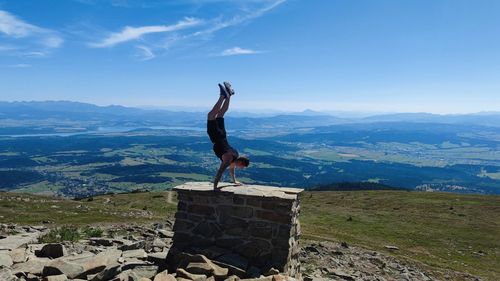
[(86, 165), (441, 231)]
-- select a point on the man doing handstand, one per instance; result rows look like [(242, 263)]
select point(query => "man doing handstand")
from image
[(217, 133)]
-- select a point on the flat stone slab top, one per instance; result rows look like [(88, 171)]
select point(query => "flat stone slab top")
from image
[(245, 189)]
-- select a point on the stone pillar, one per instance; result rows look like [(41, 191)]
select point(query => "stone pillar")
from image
[(251, 227)]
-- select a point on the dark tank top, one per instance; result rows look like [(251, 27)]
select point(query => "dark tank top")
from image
[(222, 146)]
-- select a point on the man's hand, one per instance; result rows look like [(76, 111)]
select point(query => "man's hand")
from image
[(231, 172), (233, 175)]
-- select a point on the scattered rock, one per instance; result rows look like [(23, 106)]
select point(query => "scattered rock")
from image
[(32, 266), (263, 278), (15, 241), (234, 260), (60, 277), (232, 270), (141, 270), (54, 250), (195, 277), (139, 254), (18, 255), (60, 266), (101, 242), (311, 249), (101, 261), (98, 259), (165, 233), (199, 264), (5, 259), (124, 276), (157, 258), (342, 275), (272, 271), (164, 276), (232, 278), (159, 243), (6, 274), (132, 245), (107, 273)]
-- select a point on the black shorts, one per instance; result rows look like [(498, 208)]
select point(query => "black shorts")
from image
[(216, 130)]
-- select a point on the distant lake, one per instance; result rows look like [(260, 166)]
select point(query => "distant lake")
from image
[(106, 130)]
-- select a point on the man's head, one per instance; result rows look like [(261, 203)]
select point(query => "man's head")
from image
[(242, 162)]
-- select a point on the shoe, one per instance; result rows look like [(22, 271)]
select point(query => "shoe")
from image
[(229, 88), (223, 91)]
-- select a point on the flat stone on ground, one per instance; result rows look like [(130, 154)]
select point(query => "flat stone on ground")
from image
[(139, 253), (164, 276), (60, 266), (5, 259), (101, 260), (202, 265), (15, 241), (6, 274), (132, 245), (34, 266), (60, 277), (195, 277), (18, 255)]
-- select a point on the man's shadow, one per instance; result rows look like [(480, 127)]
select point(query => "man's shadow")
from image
[(227, 185)]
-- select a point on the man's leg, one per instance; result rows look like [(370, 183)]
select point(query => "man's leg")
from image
[(224, 108), (220, 117), (216, 109)]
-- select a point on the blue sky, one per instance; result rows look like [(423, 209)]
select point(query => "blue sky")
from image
[(334, 55)]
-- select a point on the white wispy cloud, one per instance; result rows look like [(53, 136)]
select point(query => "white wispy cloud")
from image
[(19, 65), (145, 53), (238, 51), (133, 33), (191, 31), (16, 29), (218, 24), (239, 19), (4, 48), (162, 3)]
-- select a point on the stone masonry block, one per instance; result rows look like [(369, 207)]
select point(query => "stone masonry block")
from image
[(273, 217), (235, 211), (257, 224), (201, 210)]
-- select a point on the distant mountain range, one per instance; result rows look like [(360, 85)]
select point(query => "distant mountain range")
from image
[(115, 115), (484, 119)]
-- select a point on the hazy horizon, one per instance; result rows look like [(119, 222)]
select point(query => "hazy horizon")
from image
[(262, 111), (381, 57)]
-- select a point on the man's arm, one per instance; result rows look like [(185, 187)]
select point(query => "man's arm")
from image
[(226, 161), (233, 175)]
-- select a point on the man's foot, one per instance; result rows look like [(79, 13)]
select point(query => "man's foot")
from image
[(223, 91), (229, 88)]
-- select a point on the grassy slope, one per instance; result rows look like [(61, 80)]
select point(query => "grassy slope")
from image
[(437, 229), (442, 230), (122, 208)]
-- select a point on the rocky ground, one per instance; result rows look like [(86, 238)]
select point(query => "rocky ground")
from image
[(138, 252), (339, 261)]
